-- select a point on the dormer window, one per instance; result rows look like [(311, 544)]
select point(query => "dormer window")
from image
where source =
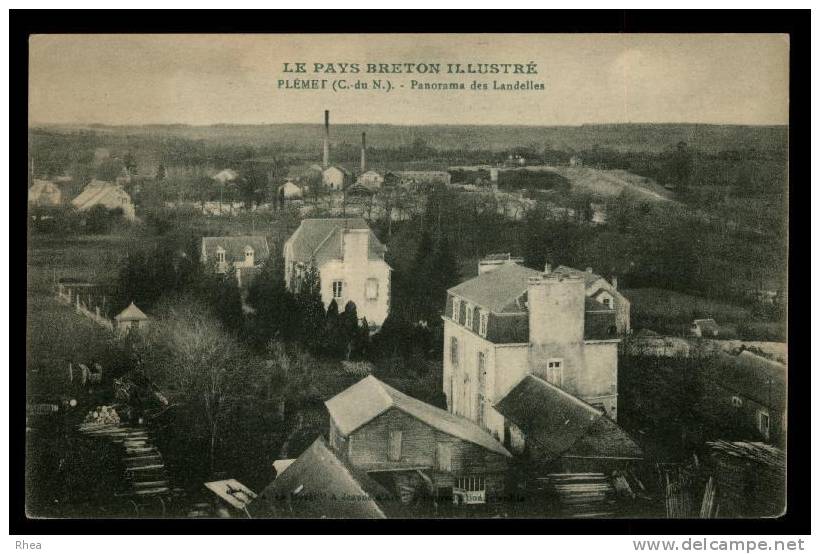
[(248, 255)]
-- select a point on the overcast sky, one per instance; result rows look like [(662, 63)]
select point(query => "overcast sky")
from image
[(206, 79)]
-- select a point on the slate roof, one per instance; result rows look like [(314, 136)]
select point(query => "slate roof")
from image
[(235, 247), (320, 485), (497, 290), (556, 423), (131, 313), (755, 377), (316, 237), (369, 398)]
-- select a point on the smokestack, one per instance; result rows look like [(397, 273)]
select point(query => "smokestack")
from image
[(364, 155), (326, 151)]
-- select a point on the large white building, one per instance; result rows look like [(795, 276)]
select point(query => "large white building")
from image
[(350, 261), (510, 322)]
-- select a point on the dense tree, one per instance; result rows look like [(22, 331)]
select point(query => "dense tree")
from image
[(311, 309), (276, 315)]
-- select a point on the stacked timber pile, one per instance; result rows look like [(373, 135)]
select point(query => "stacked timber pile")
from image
[(583, 495), (145, 471), (750, 478), (679, 484)]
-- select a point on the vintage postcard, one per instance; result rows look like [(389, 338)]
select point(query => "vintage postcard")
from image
[(407, 276)]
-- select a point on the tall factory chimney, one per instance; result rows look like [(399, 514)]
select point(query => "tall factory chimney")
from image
[(364, 154), (326, 151)]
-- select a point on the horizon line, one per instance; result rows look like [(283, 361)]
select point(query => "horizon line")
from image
[(267, 124)]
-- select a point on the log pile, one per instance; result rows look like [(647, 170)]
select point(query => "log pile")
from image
[(584, 495)]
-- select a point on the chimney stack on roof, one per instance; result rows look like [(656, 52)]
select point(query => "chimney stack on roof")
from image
[(547, 268), (326, 149), (614, 281), (364, 149)]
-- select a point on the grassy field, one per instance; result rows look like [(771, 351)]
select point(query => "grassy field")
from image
[(672, 312)]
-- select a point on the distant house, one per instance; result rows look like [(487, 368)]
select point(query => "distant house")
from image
[(350, 261), (416, 449), (106, 194), (130, 318), (226, 176), (705, 328), (320, 484), (44, 193), (290, 191), (336, 177), (372, 180), (560, 433), (242, 254), (747, 395)]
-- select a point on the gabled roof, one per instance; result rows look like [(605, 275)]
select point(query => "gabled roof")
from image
[(339, 167), (747, 374), (234, 247), (43, 187), (708, 324), (556, 423), (226, 175), (325, 234), (131, 313), (95, 192), (369, 398), (320, 485), (497, 290)]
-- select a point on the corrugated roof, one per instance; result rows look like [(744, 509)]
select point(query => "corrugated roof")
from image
[(369, 398), (556, 422), (235, 247), (320, 485), (131, 313), (325, 234)]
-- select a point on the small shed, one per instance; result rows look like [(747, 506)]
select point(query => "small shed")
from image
[(705, 328), (130, 318)]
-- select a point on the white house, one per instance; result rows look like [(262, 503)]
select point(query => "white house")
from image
[(290, 191), (372, 180), (242, 254), (510, 322), (44, 193), (350, 261), (335, 177), (103, 193)]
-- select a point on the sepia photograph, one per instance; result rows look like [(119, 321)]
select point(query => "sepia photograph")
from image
[(414, 276)]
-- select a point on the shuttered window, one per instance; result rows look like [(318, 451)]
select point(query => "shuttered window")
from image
[(394, 446), (444, 456)]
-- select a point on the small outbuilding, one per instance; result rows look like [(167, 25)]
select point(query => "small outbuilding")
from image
[(290, 191), (705, 328), (130, 318)]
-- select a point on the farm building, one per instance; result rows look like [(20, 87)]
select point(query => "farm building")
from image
[(242, 254), (130, 318), (44, 193), (350, 261), (413, 448), (108, 195)]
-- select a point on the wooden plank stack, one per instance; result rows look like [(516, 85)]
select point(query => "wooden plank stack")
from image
[(584, 495)]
